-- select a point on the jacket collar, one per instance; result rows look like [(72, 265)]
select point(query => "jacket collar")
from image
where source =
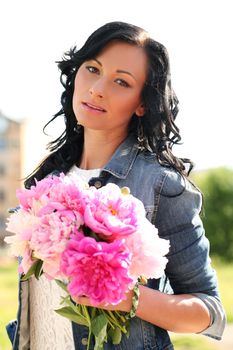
[(123, 158)]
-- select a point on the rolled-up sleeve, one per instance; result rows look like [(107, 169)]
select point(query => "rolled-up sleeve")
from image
[(217, 316), (189, 266)]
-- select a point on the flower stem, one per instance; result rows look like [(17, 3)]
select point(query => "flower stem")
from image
[(89, 339), (115, 321), (108, 317), (120, 316), (86, 313)]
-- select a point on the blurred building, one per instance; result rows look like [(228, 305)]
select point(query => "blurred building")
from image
[(10, 167)]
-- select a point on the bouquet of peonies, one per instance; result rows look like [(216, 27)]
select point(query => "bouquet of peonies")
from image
[(93, 242)]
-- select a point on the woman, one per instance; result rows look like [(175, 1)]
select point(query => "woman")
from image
[(119, 111)]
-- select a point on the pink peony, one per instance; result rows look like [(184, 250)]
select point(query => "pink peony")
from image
[(68, 194), (148, 251), (38, 193), (111, 213), (50, 237), (20, 221), (49, 212), (98, 270), (22, 224)]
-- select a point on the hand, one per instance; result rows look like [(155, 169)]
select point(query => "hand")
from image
[(124, 305)]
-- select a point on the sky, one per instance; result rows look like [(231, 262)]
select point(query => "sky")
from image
[(197, 34)]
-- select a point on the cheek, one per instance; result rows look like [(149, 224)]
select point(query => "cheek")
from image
[(74, 100), (126, 103), (78, 83)]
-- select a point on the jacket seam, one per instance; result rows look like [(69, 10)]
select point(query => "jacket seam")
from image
[(157, 196)]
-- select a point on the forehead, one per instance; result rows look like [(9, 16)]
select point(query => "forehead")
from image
[(119, 55)]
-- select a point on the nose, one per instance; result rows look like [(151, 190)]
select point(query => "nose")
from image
[(97, 90)]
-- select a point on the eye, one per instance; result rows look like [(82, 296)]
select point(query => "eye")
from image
[(122, 82), (92, 69)]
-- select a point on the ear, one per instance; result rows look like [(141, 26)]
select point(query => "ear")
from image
[(140, 110)]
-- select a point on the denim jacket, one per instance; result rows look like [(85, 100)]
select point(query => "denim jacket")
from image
[(173, 206)]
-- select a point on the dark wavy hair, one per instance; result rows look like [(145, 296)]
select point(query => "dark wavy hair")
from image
[(159, 99)]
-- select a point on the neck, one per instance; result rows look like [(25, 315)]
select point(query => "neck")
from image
[(99, 147)]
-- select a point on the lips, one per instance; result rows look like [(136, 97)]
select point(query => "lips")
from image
[(94, 107)]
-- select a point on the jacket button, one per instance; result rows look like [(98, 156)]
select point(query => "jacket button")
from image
[(98, 184), (84, 341)]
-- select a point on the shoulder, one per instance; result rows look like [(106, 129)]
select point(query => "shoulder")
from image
[(167, 181), (178, 193), (174, 184)]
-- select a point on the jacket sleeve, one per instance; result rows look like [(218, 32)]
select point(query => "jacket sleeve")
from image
[(189, 267)]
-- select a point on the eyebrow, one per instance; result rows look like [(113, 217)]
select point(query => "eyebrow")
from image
[(118, 70)]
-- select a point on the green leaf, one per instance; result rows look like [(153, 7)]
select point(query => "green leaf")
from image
[(127, 326), (38, 270), (85, 312), (98, 346), (116, 335), (62, 285), (78, 309), (65, 299), (32, 270), (69, 313), (93, 312), (98, 324), (99, 329)]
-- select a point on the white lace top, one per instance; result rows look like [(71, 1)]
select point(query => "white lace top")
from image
[(48, 330)]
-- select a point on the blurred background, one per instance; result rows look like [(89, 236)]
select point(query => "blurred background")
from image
[(198, 36)]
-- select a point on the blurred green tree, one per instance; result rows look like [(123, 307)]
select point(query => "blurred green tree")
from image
[(217, 188)]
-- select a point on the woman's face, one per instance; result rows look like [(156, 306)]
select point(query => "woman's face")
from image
[(108, 88)]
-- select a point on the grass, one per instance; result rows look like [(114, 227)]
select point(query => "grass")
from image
[(8, 304), (225, 273), (8, 298), (183, 342)]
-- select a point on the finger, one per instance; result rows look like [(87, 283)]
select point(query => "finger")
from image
[(82, 300)]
